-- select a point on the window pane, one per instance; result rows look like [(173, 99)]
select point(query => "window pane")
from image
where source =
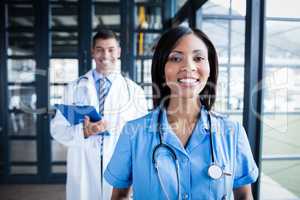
[(238, 7), (148, 17), (145, 43), (56, 94), (21, 70), (20, 43), (237, 51), (59, 169), (63, 70), (282, 42), (64, 15), (22, 105), (282, 176), (20, 15), (58, 151), (23, 170), (274, 8), (106, 15), (23, 151), (219, 7), (64, 44), (220, 40)]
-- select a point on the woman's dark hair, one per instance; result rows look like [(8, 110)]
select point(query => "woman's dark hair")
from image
[(165, 45)]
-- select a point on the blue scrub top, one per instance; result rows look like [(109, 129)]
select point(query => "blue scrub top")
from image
[(131, 163)]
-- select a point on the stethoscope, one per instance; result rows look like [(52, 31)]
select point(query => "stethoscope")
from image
[(214, 171)]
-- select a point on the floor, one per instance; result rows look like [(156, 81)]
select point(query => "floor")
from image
[(32, 192), (270, 190)]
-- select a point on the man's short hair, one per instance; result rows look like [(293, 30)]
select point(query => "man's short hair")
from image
[(104, 34)]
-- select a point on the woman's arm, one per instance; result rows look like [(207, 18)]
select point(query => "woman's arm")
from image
[(243, 193), (118, 194)]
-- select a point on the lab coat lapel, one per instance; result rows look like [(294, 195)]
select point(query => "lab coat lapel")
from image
[(92, 92)]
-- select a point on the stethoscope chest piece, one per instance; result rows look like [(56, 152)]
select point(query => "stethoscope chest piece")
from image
[(215, 171)]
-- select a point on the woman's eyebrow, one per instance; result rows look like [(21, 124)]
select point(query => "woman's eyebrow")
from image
[(198, 51)]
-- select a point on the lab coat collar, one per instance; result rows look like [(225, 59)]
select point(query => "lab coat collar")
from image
[(111, 77)]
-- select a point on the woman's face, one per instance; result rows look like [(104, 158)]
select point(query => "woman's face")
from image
[(187, 67)]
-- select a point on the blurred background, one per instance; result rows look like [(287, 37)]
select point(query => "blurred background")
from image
[(46, 43)]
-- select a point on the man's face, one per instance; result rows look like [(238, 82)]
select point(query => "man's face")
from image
[(106, 53)]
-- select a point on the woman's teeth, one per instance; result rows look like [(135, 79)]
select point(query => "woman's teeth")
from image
[(188, 80)]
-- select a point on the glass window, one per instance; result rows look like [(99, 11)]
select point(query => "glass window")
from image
[(106, 15), (145, 43), (64, 44), (148, 17), (281, 117), (58, 151), (23, 150), (63, 70), (22, 98), (21, 43), (220, 40), (219, 7), (280, 176), (59, 169), (282, 42), (22, 70), (20, 15), (23, 169), (277, 8), (237, 42), (64, 15), (238, 7)]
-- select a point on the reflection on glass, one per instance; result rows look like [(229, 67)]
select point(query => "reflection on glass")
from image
[(20, 43), (63, 70), (64, 15), (58, 169), (23, 150), (21, 70), (20, 15), (281, 89), (23, 169), (148, 17), (58, 151), (64, 43), (145, 43), (220, 40), (22, 106), (106, 15)]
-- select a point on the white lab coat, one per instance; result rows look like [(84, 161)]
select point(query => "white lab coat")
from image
[(125, 101)]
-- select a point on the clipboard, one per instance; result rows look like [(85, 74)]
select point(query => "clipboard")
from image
[(75, 114)]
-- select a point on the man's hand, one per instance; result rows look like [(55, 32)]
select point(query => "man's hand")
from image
[(92, 128)]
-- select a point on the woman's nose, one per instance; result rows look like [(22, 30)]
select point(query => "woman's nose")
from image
[(189, 64)]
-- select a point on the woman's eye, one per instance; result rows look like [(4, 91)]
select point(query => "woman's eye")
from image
[(198, 58), (174, 58)]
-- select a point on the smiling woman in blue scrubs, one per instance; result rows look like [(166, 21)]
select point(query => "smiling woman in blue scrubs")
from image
[(182, 149)]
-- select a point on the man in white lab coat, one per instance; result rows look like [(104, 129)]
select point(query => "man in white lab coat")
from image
[(124, 101)]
